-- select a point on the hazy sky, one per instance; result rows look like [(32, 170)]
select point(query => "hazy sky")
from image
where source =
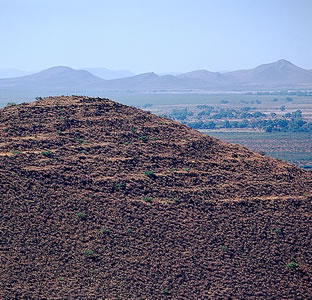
[(154, 35)]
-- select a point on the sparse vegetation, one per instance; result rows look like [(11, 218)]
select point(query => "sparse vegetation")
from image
[(292, 265), (120, 186), (11, 104), (147, 199), (46, 153), (277, 231), (224, 248), (89, 253), (165, 292), (105, 230), (16, 152), (149, 173), (82, 215), (143, 138)]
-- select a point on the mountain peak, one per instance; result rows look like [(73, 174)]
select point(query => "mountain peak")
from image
[(284, 61)]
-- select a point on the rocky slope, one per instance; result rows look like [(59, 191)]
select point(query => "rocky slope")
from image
[(101, 200)]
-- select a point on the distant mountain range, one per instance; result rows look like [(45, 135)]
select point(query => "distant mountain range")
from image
[(99, 72), (12, 72), (64, 80), (109, 74)]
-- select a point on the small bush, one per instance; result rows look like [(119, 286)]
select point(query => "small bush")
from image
[(165, 292), (82, 215), (11, 104), (46, 153), (277, 231), (143, 138), (149, 173), (105, 230), (292, 265), (38, 98), (89, 253), (147, 199), (223, 248), (176, 200), (130, 230), (120, 186), (60, 278), (16, 152)]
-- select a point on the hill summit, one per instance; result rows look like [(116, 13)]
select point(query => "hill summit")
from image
[(102, 200)]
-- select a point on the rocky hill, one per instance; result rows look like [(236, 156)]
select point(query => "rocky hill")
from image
[(102, 200)]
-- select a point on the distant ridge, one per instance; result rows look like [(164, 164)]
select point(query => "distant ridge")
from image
[(109, 74), (281, 74), (12, 72)]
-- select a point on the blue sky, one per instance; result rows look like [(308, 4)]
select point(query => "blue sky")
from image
[(154, 35)]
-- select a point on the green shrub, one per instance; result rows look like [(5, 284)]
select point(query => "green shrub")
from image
[(16, 152), (143, 138), (147, 199), (292, 265), (89, 253), (60, 278), (120, 186), (46, 153), (277, 231), (223, 248), (105, 230), (82, 215), (149, 173), (11, 104), (165, 292)]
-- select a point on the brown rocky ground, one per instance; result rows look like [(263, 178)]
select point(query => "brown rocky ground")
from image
[(104, 201)]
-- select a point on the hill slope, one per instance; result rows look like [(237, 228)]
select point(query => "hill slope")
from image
[(101, 200)]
